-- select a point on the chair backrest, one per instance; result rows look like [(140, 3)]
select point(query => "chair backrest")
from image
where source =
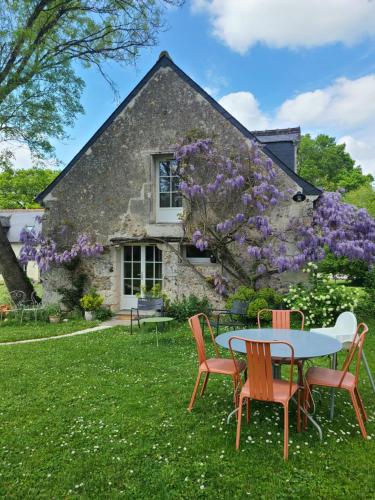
[(259, 365), (150, 304), (18, 298), (239, 307), (356, 346), (196, 329), (346, 324), (281, 317)]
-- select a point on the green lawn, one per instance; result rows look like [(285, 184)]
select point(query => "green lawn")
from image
[(11, 330), (104, 415)]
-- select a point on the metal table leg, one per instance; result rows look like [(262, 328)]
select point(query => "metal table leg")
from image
[(368, 371)]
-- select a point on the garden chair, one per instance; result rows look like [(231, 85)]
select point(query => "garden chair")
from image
[(341, 379), (221, 366), (145, 304), (344, 329), (17, 303), (235, 317), (262, 386), (34, 306), (281, 319)]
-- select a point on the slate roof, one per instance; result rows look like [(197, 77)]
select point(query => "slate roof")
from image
[(18, 219), (165, 61)]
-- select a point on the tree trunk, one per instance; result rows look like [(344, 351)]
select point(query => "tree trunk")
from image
[(14, 276)]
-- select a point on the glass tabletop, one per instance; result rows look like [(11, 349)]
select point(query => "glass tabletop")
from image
[(305, 344)]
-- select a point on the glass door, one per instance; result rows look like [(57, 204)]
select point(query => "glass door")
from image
[(142, 267)]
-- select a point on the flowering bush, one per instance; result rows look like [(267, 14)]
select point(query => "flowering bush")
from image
[(265, 298), (320, 299), (91, 301)]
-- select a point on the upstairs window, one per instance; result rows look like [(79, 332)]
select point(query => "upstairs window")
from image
[(169, 198)]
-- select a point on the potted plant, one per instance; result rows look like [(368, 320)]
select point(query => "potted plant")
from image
[(53, 313), (91, 302)]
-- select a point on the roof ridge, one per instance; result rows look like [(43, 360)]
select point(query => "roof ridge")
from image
[(165, 60)]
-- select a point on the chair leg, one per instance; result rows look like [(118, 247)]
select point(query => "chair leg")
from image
[(332, 397), (205, 382), (360, 404), (299, 410), (286, 430), (248, 402), (306, 403), (239, 418), (358, 414), (367, 368), (193, 396)]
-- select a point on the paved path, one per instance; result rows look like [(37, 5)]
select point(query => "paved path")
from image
[(73, 334)]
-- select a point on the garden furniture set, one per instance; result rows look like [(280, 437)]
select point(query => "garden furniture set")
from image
[(266, 350)]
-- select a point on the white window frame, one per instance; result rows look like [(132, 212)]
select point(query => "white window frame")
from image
[(195, 260), (169, 215)]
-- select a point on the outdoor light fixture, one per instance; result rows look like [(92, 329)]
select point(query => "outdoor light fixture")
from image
[(299, 196)]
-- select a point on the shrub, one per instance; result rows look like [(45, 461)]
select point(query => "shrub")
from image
[(103, 313), (320, 299), (91, 301), (188, 306), (265, 298), (71, 297)]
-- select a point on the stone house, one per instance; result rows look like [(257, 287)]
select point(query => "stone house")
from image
[(14, 220), (112, 189)]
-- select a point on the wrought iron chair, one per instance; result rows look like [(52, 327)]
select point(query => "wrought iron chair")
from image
[(235, 317), (33, 306), (146, 304)]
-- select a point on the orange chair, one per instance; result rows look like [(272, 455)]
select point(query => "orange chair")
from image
[(261, 385), (341, 379), (218, 365), (281, 319)]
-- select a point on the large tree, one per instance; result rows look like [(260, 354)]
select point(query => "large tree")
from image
[(18, 187), (327, 164), (42, 43)]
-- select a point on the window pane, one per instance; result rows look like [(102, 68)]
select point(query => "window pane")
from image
[(176, 200), (136, 286), (128, 253), (164, 184), (136, 270), (149, 271), (149, 284), (158, 255), (137, 254), (164, 168), (158, 270), (127, 287), (127, 270), (150, 253), (165, 200), (194, 253), (175, 183), (173, 166)]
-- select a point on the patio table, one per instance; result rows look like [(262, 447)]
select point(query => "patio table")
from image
[(156, 320), (306, 345)]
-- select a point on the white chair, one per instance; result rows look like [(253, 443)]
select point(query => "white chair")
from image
[(344, 330)]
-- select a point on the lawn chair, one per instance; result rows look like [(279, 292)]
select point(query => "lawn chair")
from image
[(281, 319), (17, 303), (156, 305), (344, 329), (341, 379), (262, 386), (222, 366), (235, 317), (34, 306)]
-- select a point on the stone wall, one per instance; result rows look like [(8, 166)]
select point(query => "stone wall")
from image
[(110, 192)]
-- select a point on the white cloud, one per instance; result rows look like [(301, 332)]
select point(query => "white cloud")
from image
[(21, 154), (240, 24), (347, 103), (244, 107), (345, 109)]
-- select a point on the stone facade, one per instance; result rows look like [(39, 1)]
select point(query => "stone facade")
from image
[(109, 189)]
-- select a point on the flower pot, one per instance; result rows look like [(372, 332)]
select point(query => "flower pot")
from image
[(89, 316), (54, 319)]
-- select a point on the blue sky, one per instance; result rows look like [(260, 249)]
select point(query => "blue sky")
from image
[(270, 63)]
